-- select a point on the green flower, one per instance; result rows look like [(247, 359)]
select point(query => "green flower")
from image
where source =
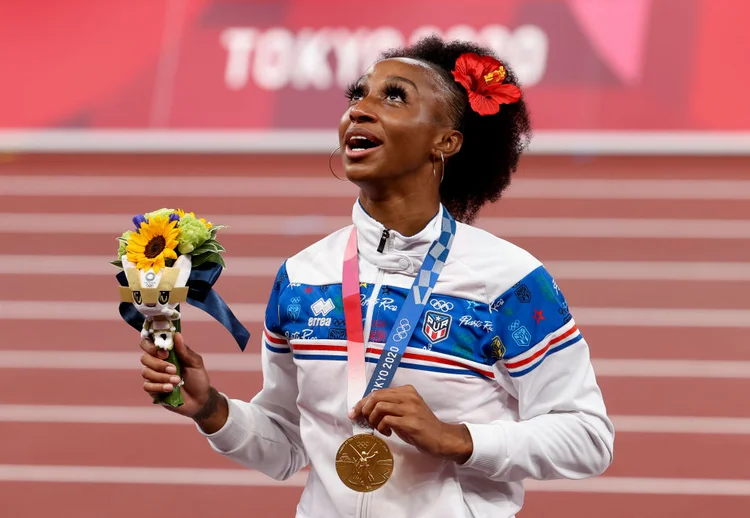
[(160, 213), (193, 233), (123, 240)]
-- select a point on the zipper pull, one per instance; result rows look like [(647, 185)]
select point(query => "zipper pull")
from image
[(383, 240)]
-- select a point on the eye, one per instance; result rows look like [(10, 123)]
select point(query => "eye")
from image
[(137, 297), (355, 92), (395, 92), (163, 297)]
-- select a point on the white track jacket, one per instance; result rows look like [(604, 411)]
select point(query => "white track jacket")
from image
[(500, 352)]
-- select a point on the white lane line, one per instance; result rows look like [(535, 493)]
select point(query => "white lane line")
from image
[(145, 415), (566, 143), (148, 475), (671, 368), (246, 477), (590, 317), (244, 362), (648, 270), (90, 414), (211, 186), (679, 424), (662, 317), (99, 265), (268, 266), (104, 311), (623, 189), (317, 225), (117, 360), (323, 187), (644, 486)]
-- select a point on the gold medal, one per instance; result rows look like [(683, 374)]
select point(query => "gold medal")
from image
[(364, 462)]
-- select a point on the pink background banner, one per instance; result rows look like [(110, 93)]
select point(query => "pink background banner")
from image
[(638, 65)]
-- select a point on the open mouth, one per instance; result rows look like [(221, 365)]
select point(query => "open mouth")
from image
[(361, 143)]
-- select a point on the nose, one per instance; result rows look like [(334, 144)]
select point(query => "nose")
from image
[(362, 113)]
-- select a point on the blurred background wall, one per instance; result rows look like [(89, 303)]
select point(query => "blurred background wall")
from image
[(82, 69)]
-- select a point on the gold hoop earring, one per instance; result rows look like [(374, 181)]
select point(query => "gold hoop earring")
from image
[(442, 175), (331, 167)]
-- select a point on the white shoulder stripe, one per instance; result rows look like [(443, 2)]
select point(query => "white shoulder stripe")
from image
[(528, 353), (519, 366)]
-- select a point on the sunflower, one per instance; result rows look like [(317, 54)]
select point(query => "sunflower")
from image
[(154, 242)]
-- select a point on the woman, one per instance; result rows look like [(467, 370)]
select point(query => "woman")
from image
[(495, 385)]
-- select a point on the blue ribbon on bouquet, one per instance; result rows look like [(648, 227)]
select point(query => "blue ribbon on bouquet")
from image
[(201, 295)]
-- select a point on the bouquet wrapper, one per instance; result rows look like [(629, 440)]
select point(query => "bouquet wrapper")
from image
[(150, 303)]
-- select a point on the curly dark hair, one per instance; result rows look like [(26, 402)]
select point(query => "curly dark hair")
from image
[(492, 145)]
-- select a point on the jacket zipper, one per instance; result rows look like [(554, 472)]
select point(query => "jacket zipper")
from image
[(384, 239), (364, 501), (366, 505), (376, 289)]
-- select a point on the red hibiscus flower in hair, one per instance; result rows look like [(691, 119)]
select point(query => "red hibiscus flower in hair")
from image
[(483, 77)]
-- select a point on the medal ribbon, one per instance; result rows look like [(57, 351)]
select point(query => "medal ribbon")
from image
[(405, 323), (355, 342)]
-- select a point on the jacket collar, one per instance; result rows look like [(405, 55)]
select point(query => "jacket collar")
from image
[(400, 253)]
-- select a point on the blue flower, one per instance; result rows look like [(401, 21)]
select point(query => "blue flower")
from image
[(174, 217), (137, 222)]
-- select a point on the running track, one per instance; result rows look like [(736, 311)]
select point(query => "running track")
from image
[(652, 253)]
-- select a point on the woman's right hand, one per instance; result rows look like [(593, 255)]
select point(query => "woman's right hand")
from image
[(202, 402)]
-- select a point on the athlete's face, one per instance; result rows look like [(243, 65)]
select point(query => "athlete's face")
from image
[(394, 122)]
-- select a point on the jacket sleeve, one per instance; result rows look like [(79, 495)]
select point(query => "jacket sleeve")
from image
[(543, 360), (264, 433)]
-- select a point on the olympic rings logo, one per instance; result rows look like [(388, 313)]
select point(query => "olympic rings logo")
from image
[(441, 305), (402, 331)]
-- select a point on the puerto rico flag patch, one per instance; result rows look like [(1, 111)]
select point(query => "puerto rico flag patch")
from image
[(436, 326)]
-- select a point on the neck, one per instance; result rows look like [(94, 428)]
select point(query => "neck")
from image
[(407, 215)]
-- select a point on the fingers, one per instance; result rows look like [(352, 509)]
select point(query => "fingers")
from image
[(158, 381), (379, 414), (149, 347), (389, 424), (366, 404), (373, 401), (159, 377), (399, 410), (379, 405), (157, 365), (157, 388)]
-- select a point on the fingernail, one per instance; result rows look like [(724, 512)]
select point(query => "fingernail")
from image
[(174, 380), (171, 369), (168, 388), (351, 414), (161, 353)]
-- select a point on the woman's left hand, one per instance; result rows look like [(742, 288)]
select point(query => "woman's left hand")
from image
[(403, 411)]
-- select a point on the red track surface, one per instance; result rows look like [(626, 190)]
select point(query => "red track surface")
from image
[(638, 454)]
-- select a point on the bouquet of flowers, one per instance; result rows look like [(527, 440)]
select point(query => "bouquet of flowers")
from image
[(171, 257)]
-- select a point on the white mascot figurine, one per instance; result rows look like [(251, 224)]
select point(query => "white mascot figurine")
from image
[(156, 296)]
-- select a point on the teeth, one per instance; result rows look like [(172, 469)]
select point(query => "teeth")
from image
[(360, 143), (358, 138)]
